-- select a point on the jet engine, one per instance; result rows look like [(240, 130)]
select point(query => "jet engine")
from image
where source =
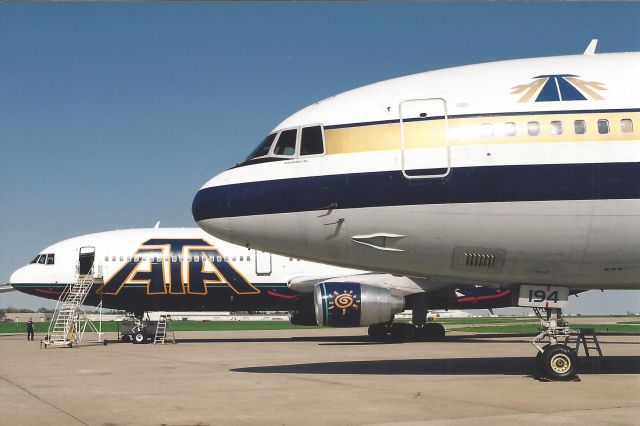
[(348, 304)]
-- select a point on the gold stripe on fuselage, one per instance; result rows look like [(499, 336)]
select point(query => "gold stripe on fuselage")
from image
[(469, 131)]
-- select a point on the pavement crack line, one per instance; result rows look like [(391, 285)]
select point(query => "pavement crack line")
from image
[(27, 391)]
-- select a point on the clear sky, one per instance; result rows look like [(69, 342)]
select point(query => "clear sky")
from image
[(113, 115)]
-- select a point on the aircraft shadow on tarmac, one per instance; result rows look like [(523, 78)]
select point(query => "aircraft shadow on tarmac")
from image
[(349, 340), (365, 340), (513, 366)]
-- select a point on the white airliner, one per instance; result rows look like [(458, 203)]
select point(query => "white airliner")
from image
[(185, 269), (521, 173)]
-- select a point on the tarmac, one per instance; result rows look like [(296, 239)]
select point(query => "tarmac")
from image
[(311, 377)]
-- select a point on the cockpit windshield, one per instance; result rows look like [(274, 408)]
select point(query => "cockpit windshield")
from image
[(288, 143), (44, 259), (263, 148)]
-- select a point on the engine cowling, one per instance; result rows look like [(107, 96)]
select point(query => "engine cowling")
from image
[(347, 304)]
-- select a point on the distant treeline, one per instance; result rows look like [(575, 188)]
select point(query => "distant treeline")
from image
[(12, 310)]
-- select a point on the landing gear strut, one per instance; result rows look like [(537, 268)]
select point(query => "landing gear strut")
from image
[(555, 361)]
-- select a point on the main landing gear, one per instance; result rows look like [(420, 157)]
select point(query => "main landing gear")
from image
[(398, 331), (418, 329), (555, 360)]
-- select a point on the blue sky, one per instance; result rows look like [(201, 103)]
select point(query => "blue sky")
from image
[(113, 115)]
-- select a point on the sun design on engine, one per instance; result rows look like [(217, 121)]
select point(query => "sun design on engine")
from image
[(344, 301)]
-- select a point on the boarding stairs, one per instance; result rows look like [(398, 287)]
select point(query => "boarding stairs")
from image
[(586, 337), (69, 320), (164, 330)]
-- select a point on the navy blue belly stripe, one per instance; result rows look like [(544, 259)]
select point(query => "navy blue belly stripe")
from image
[(547, 182)]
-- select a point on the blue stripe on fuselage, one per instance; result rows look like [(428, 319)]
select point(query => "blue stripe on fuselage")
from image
[(547, 182)]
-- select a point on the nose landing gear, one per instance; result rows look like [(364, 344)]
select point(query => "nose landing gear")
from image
[(555, 361)]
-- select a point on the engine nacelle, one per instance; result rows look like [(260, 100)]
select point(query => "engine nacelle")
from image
[(342, 304)]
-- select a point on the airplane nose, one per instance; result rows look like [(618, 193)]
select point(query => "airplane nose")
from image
[(19, 277), (210, 209), (16, 276)]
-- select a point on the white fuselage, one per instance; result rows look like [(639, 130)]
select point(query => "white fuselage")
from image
[(171, 269), (524, 171)]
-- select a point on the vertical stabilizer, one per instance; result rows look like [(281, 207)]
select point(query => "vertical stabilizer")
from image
[(591, 48)]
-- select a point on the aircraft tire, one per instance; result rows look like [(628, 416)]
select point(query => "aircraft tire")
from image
[(125, 338), (397, 331), (433, 332), (139, 337), (539, 360), (559, 362), (409, 332), (377, 331)]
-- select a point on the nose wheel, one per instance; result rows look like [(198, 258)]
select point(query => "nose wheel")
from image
[(555, 361)]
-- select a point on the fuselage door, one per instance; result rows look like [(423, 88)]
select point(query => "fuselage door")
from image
[(85, 259), (424, 138), (263, 263)]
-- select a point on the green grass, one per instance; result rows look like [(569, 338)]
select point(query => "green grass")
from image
[(42, 327), (535, 328), (485, 320), (518, 325)]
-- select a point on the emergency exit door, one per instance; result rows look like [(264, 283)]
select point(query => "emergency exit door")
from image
[(263, 263)]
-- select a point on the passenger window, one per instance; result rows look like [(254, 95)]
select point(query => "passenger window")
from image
[(626, 125), (121, 259), (263, 148), (42, 259), (533, 128), (248, 258), (241, 258), (196, 258), (286, 144), (580, 127), (50, 259), (603, 127), (556, 128), (106, 258), (509, 129), (312, 141), (486, 130), (113, 259), (218, 259)]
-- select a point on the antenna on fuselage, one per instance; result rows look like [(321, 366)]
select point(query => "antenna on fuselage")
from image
[(591, 48), (157, 225)]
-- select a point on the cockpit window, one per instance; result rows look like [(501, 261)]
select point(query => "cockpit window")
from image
[(311, 141), (44, 259), (263, 148), (286, 144)]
